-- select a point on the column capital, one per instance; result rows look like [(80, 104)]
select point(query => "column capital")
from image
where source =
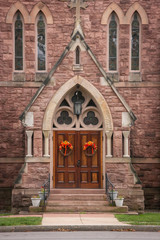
[(29, 133), (126, 134), (46, 133), (109, 133)]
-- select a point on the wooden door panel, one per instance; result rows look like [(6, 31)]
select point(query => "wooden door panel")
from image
[(86, 174), (65, 174), (91, 164), (72, 177), (60, 158)]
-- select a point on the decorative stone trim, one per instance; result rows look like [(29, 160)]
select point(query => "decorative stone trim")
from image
[(135, 76), (124, 19), (117, 160), (37, 159), (136, 7), (146, 160), (77, 67), (103, 82), (29, 143), (11, 160), (126, 135), (41, 76), (46, 143), (66, 87), (112, 7), (109, 135), (133, 160), (14, 8), (19, 76), (41, 7)]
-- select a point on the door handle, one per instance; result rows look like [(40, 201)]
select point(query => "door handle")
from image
[(78, 163)]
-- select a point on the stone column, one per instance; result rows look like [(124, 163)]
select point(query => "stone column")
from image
[(46, 143), (126, 135), (109, 135), (29, 143)]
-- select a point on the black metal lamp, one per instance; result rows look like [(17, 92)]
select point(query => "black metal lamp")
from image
[(77, 105)]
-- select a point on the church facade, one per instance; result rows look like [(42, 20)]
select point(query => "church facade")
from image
[(79, 94)]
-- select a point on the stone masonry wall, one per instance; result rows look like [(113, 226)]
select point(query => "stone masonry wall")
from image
[(149, 175), (122, 177), (142, 100), (35, 174), (142, 97)]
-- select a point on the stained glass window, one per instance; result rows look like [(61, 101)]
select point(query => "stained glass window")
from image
[(91, 119), (77, 55), (64, 118), (113, 43), (18, 42), (135, 43), (41, 43)]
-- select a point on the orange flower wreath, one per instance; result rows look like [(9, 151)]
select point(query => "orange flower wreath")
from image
[(93, 147), (65, 145)]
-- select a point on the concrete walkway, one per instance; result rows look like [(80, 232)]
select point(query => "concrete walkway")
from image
[(54, 219)]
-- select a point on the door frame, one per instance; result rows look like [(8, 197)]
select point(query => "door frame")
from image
[(56, 99), (53, 167)]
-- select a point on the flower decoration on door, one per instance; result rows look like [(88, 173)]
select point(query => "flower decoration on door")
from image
[(92, 146), (65, 148)]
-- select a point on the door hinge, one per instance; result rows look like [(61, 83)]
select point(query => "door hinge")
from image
[(52, 177), (102, 177), (102, 138)]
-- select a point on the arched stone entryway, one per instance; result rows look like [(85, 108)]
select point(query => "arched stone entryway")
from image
[(103, 109)]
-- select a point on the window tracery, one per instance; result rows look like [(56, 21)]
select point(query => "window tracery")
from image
[(90, 118)]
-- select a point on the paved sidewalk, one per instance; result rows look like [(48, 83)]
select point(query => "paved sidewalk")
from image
[(54, 219)]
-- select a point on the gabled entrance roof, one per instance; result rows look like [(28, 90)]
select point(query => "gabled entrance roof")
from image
[(77, 33)]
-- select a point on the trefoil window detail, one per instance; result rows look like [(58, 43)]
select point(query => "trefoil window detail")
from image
[(67, 116)]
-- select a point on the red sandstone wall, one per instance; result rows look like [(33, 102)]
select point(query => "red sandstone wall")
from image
[(143, 101), (8, 174)]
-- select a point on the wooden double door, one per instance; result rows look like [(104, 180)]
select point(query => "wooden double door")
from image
[(77, 168)]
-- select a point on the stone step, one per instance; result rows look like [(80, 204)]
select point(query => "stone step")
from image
[(77, 191), (77, 203), (66, 208), (84, 197)]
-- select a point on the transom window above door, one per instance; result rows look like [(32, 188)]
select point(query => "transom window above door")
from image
[(77, 110)]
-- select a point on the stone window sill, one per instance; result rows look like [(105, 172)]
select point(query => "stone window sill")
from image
[(18, 76), (135, 77), (40, 76), (77, 67)]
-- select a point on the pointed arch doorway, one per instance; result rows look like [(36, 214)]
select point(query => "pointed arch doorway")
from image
[(94, 119), (77, 125)]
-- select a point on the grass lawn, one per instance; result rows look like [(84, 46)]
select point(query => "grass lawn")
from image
[(6, 214), (141, 219), (14, 221)]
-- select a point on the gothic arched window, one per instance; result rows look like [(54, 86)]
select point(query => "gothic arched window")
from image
[(41, 43), (18, 42), (77, 55), (135, 42), (113, 43)]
